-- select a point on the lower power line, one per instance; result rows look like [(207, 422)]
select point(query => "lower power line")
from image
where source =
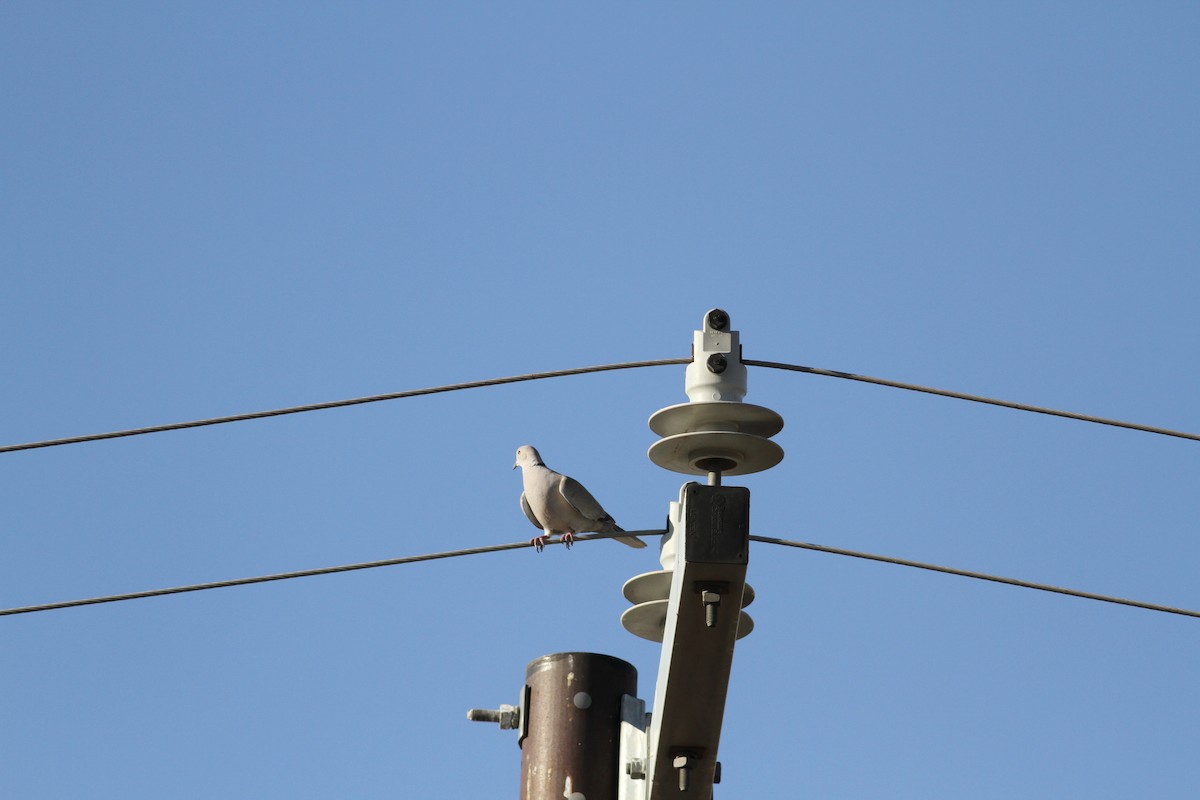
[(495, 548), (306, 573), (978, 575)]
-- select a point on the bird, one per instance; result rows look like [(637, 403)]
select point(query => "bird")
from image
[(560, 505)]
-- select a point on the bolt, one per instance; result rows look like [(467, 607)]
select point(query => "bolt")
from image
[(712, 601), (718, 320), (508, 716), (684, 764), (717, 363), (636, 769)]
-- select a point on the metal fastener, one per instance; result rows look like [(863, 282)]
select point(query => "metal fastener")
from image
[(508, 716), (712, 601), (684, 764), (718, 319)]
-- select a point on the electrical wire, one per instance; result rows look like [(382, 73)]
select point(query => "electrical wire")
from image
[(307, 573), (174, 426), (198, 587), (978, 575), (973, 398), (581, 371)]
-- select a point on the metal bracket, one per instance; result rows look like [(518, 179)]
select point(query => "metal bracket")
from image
[(633, 756), (698, 645)]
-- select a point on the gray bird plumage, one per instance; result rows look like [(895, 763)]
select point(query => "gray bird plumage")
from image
[(560, 505)]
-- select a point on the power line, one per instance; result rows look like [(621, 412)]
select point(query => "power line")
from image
[(979, 576), (174, 426), (283, 576), (307, 573), (973, 398), (581, 371)]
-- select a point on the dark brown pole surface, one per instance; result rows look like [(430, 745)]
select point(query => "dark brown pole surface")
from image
[(574, 719)]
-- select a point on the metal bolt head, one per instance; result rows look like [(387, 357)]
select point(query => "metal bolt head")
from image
[(718, 320), (717, 363)]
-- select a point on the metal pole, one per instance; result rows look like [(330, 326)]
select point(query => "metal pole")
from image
[(573, 713)]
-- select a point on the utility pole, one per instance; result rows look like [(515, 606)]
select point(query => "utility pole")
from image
[(584, 734), (574, 702)]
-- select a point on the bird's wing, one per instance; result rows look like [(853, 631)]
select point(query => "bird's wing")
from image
[(528, 511), (581, 499)]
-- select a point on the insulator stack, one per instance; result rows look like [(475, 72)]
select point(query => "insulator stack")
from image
[(712, 434), (715, 432)]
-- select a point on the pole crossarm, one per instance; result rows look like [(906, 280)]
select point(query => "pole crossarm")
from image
[(703, 614)]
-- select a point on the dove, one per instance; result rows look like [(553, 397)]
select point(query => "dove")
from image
[(560, 505)]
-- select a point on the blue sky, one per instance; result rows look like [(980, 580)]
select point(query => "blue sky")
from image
[(211, 208)]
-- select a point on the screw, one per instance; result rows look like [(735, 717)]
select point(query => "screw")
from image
[(717, 363)]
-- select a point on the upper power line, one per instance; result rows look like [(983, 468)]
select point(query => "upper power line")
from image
[(581, 371), (278, 412), (912, 387)]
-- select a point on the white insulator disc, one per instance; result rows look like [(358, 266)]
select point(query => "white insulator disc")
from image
[(651, 586), (727, 452), (720, 415), (649, 621)]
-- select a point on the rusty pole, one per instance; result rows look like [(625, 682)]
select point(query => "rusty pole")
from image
[(573, 716)]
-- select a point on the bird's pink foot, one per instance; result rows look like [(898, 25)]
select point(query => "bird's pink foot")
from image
[(538, 542), (567, 538)]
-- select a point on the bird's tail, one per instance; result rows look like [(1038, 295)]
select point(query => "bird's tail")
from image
[(632, 541), (611, 527)]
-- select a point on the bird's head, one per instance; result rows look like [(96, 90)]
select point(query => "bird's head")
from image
[(528, 456)]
